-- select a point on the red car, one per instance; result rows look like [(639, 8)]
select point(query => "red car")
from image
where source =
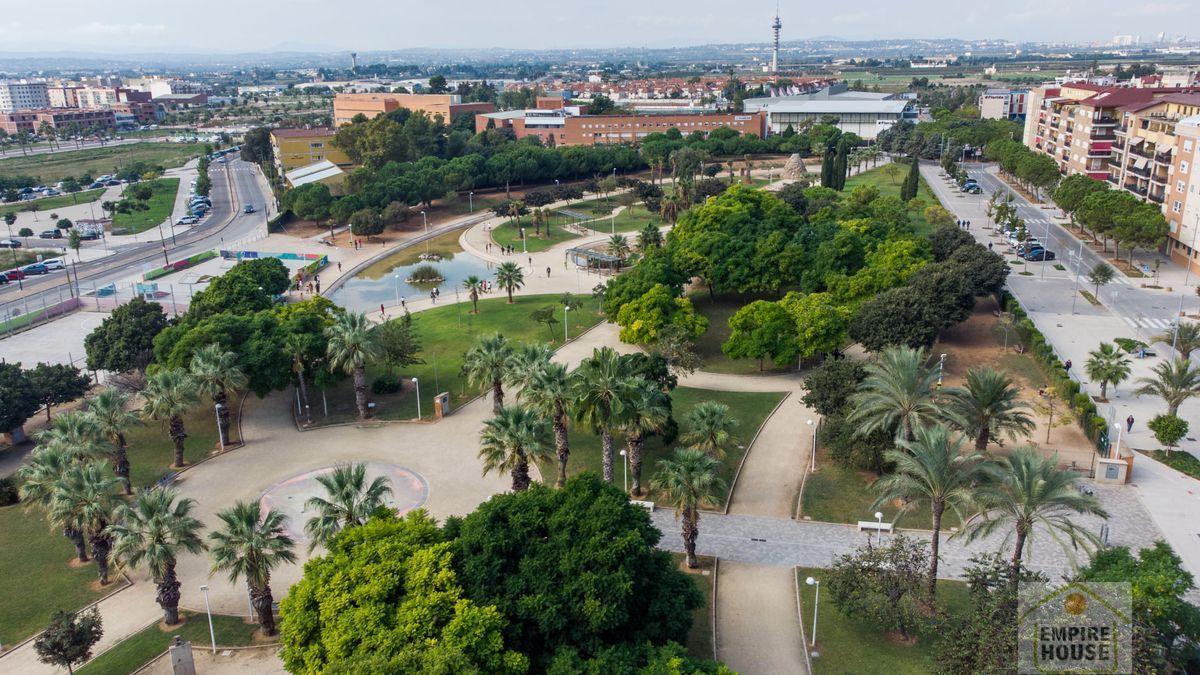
[(13, 275)]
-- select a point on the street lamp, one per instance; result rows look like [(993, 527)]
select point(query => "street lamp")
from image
[(417, 384), (208, 610), (425, 220), (523, 248), (813, 451), (1116, 449), (811, 581), (220, 436), (879, 519), (471, 201), (625, 463), (566, 335), (941, 369), (396, 277)]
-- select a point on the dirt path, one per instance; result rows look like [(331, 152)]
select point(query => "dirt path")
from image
[(758, 630)]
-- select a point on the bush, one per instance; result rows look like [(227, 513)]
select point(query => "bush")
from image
[(9, 492), (425, 274), (385, 384)]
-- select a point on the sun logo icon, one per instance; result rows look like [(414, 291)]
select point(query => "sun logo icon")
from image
[(1075, 603)]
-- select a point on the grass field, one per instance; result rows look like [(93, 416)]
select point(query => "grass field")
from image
[(750, 409), (445, 334), (888, 179), (631, 219), (151, 450), (53, 167), (48, 204), (853, 647), (138, 649), (699, 642), (161, 204), (37, 579), (508, 234)]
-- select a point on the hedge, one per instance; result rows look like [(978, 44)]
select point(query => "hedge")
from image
[(179, 265)]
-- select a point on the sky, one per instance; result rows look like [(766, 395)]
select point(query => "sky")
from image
[(335, 25)]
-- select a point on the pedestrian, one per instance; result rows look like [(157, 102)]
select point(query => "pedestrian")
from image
[(318, 284), (1068, 365), (968, 224), (381, 309), (339, 266), (531, 262), (1129, 424), (432, 297), (403, 305), (547, 271), (989, 245)]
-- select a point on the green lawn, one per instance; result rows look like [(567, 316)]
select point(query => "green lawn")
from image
[(1179, 460), (699, 642), (508, 234), (850, 647), (708, 346), (138, 649), (631, 219), (37, 580), (602, 206), (48, 204), (161, 203), (151, 451), (888, 178), (445, 334), (749, 408), (53, 167), (461, 204)]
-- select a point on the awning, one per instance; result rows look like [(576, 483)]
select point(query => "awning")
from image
[(1135, 140), (1140, 162), (1168, 152)]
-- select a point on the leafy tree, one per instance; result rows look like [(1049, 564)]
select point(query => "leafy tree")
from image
[(151, 532), (486, 364), (948, 292), (793, 194), (937, 216), (248, 546), (1039, 171), (168, 395), (109, 410), (352, 345), (897, 394), (1174, 382), (20, 397), (988, 407), (57, 384), (710, 429), (912, 181), (366, 223), (546, 315), (603, 392), (1168, 430), (308, 202), (214, 372), (931, 469), (613, 588), (512, 439), (946, 239), (643, 658), (643, 319), (820, 324), (1073, 189), (69, 637), (398, 343), (830, 386), (760, 330), (899, 316), (1107, 364), (549, 392), (688, 480), (655, 267), (125, 340), (348, 502), (407, 613), (984, 270), (1100, 275), (1027, 493), (882, 585), (510, 277)]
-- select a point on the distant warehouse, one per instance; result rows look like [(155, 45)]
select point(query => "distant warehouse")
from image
[(566, 126), (863, 113), (450, 106)]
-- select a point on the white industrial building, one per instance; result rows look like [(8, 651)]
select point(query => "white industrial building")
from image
[(863, 113)]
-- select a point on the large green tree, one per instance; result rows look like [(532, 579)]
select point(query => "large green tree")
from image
[(125, 340), (19, 398)]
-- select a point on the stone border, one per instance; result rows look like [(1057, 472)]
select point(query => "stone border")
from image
[(97, 601), (712, 610), (800, 618), (749, 447)]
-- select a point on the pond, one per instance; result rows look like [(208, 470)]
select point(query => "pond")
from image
[(386, 279)]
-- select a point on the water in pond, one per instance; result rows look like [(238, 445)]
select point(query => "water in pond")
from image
[(382, 281)]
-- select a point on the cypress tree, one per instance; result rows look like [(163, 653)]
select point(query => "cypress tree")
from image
[(827, 168), (911, 182), (841, 164)]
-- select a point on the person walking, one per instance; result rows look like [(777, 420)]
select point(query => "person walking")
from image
[(339, 266), (1129, 424), (547, 271), (381, 309)]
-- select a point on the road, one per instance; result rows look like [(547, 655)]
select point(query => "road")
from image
[(235, 184)]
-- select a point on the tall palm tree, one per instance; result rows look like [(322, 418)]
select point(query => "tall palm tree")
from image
[(648, 414), (474, 286), (931, 469), (1173, 382), (77, 433), (486, 364), (509, 277), (1107, 365), (603, 392), (669, 208), (987, 407), (512, 439), (110, 411), (1186, 339), (351, 501), (352, 345), (296, 346), (550, 392), (897, 393), (84, 500), (40, 477), (249, 545), (215, 371), (710, 429), (525, 362), (649, 238), (1027, 492), (168, 395), (152, 531), (618, 245), (688, 480)]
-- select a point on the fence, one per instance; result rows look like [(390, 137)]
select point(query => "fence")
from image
[(174, 298), (178, 265), (26, 313)]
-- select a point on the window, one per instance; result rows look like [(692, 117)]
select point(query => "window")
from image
[(1177, 206), (1179, 186), (1187, 146)]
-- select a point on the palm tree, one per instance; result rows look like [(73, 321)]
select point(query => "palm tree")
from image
[(618, 245), (603, 391), (988, 407), (1186, 339), (669, 208), (168, 395), (1173, 382), (688, 480), (215, 371), (40, 477), (352, 345), (77, 433), (351, 502), (296, 346), (710, 429), (152, 531), (474, 285), (897, 393), (1027, 492), (511, 439), (84, 500), (1107, 364), (650, 237), (509, 277), (109, 410), (648, 414), (525, 362), (486, 364), (249, 545), (549, 392), (930, 469)]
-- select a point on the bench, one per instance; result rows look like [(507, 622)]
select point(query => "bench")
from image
[(874, 525), (649, 506)]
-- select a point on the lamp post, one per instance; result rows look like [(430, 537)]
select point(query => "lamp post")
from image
[(417, 384), (813, 452), (425, 220), (396, 277), (220, 436), (566, 334), (625, 464), (1116, 449), (1078, 267), (811, 581), (879, 519), (523, 248), (941, 369), (208, 610), (471, 201)]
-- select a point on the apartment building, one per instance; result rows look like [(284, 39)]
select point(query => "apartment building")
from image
[(23, 95), (1003, 104), (1145, 145), (69, 119), (63, 95), (296, 148), (450, 106), (567, 127), (1182, 204)]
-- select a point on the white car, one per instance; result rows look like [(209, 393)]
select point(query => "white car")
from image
[(54, 264), (187, 220)]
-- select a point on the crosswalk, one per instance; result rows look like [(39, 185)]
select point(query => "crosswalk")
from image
[(1148, 322)]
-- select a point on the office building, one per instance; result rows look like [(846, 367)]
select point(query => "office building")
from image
[(23, 95), (566, 126), (450, 106), (296, 148), (863, 113), (1003, 104)]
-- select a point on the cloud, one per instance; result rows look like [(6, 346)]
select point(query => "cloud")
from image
[(97, 28)]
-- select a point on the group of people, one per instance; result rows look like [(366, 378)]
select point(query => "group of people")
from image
[(506, 250), (964, 224)]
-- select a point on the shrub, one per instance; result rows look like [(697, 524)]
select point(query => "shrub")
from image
[(425, 274), (385, 384), (25, 232), (9, 492)]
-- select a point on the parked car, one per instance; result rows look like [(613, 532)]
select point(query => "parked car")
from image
[(187, 220), (9, 243), (35, 268), (1039, 254), (3, 278), (88, 235), (15, 274), (54, 264), (113, 183), (249, 209), (973, 189), (51, 234)]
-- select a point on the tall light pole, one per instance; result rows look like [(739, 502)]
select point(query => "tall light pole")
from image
[(941, 369), (811, 581), (208, 610), (396, 277), (471, 201), (417, 384), (566, 335), (1186, 276), (220, 436), (813, 451), (625, 463), (426, 221), (1116, 449), (1078, 267)]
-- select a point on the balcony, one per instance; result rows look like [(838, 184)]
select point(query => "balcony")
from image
[(1105, 122), (1101, 135), (1157, 178), (1120, 130), (1132, 187), (1144, 172), (1099, 152), (1163, 157), (1054, 124), (1156, 198), (1113, 179)]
